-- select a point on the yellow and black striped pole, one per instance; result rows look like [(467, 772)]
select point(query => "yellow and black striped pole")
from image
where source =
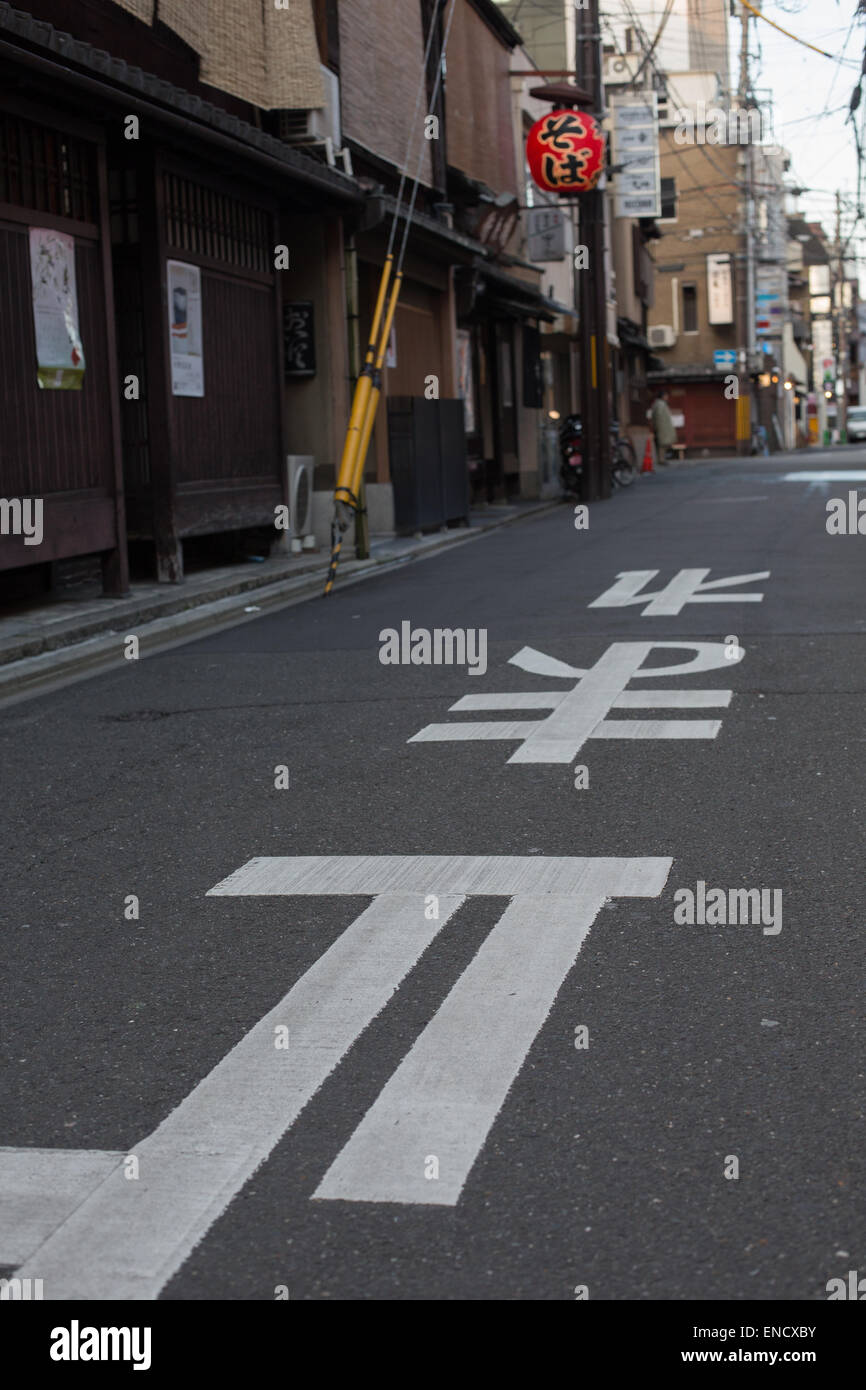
[(369, 386), (375, 386), (346, 490)]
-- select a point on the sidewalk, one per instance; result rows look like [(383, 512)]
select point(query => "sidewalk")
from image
[(55, 642)]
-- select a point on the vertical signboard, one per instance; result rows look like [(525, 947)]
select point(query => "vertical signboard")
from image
[(299, 341), (720, 289), (546, 233), (770, 301), (636, 156)]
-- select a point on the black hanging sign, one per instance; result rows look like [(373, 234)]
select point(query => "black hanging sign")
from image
[(299, 342)]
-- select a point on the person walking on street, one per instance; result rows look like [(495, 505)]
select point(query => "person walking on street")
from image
[(663, 426)]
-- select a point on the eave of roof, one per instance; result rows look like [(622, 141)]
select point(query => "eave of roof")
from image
[(133, 85)]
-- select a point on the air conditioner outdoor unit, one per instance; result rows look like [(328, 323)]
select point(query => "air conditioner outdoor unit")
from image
[(320, 125), (661, 336), (620, 69), (300, 468)]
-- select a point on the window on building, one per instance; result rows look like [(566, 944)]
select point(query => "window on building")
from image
[(690, 308), (669, 200), (629, 41)]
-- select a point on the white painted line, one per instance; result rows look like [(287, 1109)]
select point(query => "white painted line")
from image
[(40, 1188), (658, 728), (517, 699), (674, 699), (493, 875), (827, 475), (560, 737), (468, 733), (443, 1099), (129, 1237), (540, 664)]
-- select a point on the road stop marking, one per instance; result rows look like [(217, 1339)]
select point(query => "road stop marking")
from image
[(580, 713), (125, 1239), (688, 586)]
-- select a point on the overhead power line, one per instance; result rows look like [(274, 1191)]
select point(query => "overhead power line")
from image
[(824, 54)]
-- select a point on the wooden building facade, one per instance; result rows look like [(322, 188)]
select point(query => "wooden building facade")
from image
[(172, 201)]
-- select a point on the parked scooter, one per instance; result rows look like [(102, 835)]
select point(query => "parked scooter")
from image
[(571, 454), (623, 463)]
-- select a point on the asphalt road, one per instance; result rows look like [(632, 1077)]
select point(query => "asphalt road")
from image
[(603, 1166)]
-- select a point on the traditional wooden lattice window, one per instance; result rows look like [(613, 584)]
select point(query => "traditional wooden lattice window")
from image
[(123, 206), (47, 170), (204, 222)]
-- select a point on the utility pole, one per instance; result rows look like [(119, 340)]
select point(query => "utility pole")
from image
[(594, 351), (750, 335)]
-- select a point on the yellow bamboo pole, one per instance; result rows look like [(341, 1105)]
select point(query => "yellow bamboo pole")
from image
[(375, 385), (344, 490)]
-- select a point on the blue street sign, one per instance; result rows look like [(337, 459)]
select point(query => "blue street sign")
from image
[(724, 357)]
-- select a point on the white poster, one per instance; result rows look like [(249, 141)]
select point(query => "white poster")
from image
[(184, 326), (465, 388), (59, 354)]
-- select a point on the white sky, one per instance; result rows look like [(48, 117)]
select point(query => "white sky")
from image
[(808, 91)]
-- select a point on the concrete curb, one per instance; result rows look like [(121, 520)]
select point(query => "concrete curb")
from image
[(99, 647)]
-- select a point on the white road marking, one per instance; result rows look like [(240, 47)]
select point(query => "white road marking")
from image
[(657, 728), (518, 699), (540, 664), (580, 713), (40, 1188), (687, 586), (827, 475), (674, 699), (128, 1238), (120, 1238), (491, 875), (444, 1097)]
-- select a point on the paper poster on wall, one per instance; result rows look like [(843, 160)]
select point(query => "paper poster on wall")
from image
[(465, 388), (59, 354), (391, 354), (184, 325)]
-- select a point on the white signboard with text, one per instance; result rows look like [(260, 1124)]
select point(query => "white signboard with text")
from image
[(636, 156)]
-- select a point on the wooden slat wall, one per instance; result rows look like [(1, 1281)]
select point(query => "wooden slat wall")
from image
[(233, 432), (53, 441)]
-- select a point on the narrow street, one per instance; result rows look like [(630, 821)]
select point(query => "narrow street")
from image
[(388, 1017)]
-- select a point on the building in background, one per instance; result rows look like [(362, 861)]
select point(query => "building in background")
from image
[(221, 176), (144, 158), (677, 55), (549, 32)]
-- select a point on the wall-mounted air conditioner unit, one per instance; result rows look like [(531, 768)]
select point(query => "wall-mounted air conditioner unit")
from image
[(320, 125), (300, 469), (620, 68), (661, 335)]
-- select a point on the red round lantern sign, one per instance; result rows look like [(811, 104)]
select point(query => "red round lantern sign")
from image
[(565, 151)]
